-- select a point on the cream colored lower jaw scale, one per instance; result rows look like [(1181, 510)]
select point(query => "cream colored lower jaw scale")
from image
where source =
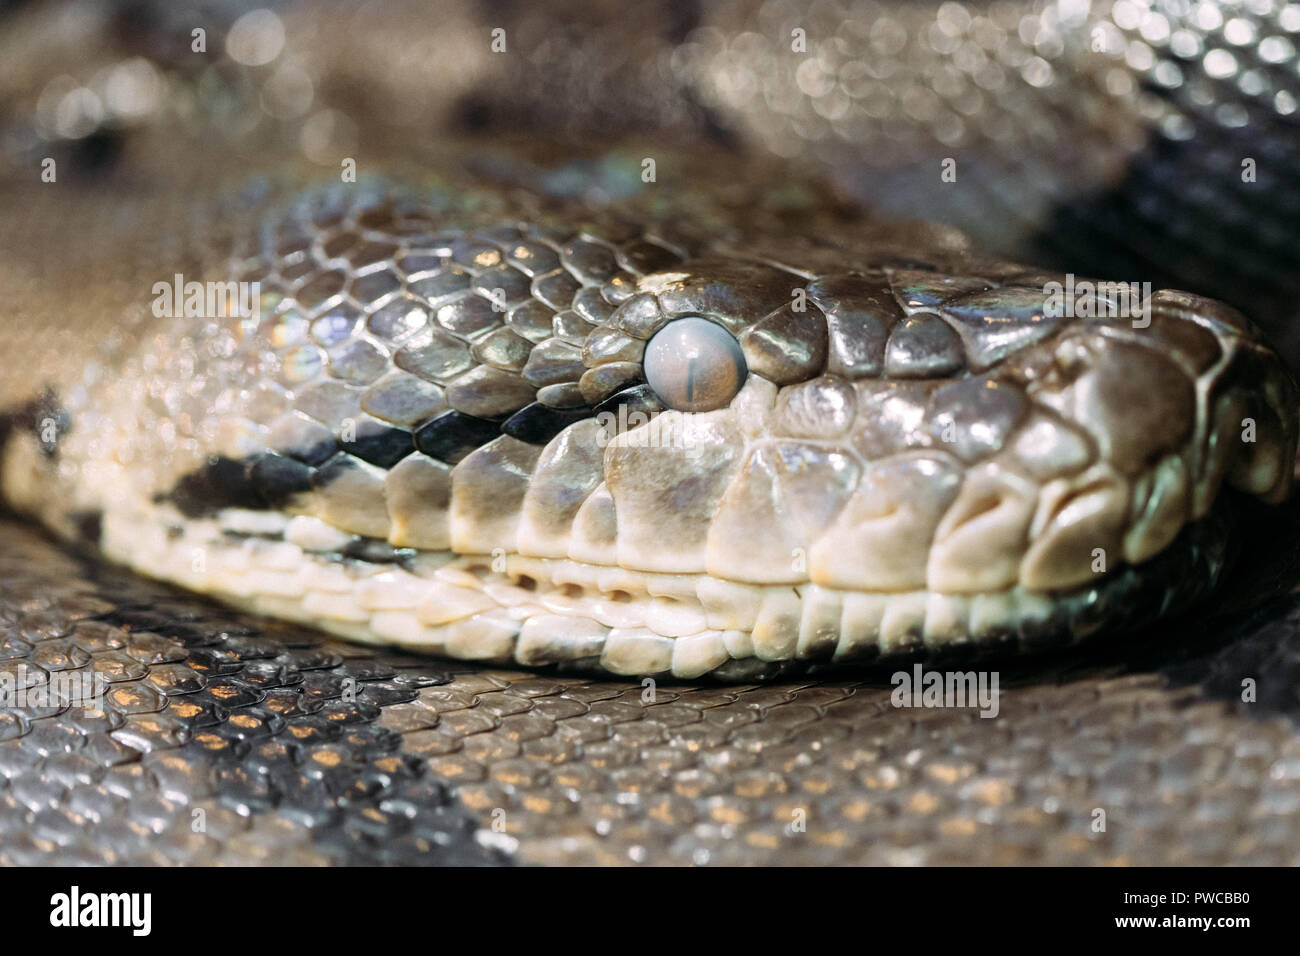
[(538, 611)]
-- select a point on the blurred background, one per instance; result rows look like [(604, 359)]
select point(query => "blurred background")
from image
[(1136, 140)]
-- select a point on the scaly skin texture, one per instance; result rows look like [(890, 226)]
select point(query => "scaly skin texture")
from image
[(249, 719), (435, 431)]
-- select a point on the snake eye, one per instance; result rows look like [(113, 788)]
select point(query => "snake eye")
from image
[(694, 365)]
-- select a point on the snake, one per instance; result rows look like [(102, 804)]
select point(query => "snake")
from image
[(657, 412), (472, 432)]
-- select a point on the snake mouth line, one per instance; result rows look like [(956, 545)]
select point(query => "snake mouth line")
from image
[(542, 612)]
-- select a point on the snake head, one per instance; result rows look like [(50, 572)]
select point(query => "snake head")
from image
[(603, 445), (945, 456)]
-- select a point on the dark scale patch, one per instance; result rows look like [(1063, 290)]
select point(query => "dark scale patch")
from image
[(95, 155), (315, 454), (220, 483), (334, 469), (377, 552), (379, 443), (453, 435), (1234, 242), (537, 423), (237, 536), (638, 398), (277, 478), (89, 525)]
